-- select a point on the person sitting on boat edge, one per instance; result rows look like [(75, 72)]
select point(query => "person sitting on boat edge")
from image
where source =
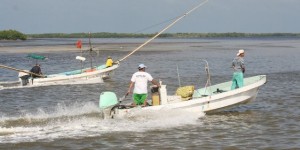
[(36, 70), (239, 70), (140, 82), (109, 62)]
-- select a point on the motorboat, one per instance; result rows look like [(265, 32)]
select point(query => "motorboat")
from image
[(98, 72), (77, 76), (208, 99)]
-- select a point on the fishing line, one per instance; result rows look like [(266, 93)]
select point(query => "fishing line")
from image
[(144, 29), (156, 35), (178, 76), (154, 25)]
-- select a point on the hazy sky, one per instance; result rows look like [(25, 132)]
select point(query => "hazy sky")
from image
[(128, 16)]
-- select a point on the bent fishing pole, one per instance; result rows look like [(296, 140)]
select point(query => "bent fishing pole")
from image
[(19, 70)]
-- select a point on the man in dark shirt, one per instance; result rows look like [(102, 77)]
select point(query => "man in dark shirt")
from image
[(37, 70)]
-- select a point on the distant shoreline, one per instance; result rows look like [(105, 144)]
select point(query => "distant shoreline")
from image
[(16, 35), (49, 45), (163, 35)]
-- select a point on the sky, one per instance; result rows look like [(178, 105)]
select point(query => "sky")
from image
[(130, 16)]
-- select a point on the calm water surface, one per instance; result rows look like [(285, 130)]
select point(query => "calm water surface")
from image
[(67, 116)]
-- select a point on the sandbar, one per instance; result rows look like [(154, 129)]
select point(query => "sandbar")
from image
[(165, 46)]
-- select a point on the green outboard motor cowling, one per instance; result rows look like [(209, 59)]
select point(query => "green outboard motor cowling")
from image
[(107, 99)]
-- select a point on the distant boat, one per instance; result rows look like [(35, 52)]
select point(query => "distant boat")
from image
[(209, 99), (98, 72), (77, 76), (91, 74)]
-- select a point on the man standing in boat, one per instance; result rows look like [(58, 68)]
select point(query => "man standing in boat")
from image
[(239, 70), (37, 70), (140, 82)]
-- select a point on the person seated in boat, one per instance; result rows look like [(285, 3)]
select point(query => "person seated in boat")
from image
[(139, 81), (109, 62), (36, 70), (238, 70)]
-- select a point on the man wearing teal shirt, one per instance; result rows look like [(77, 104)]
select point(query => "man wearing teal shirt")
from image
[(239, 70)]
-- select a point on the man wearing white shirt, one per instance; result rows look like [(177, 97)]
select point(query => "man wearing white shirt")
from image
[(140, 82)]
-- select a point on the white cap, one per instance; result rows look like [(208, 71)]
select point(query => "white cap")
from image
[(241, 51), (142, 66)]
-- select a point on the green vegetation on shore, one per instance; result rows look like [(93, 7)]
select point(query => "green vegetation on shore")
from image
[(16, 35), (12, 35), (165, 35)]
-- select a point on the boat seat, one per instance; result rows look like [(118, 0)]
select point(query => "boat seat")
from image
[(219, 91), (90, 70), (186, 92), (101, 67)]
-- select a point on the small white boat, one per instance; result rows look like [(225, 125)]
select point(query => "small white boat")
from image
[(208, 99), (98, 73)]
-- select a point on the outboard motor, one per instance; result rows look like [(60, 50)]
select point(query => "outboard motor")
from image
[(107, 101), (24, 78)]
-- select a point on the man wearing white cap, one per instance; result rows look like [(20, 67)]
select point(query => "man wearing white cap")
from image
[(239, 70), (140, 81)]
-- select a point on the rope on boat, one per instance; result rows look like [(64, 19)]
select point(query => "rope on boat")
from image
[(208, 81), (170, 25)]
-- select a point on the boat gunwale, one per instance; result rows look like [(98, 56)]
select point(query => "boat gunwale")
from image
[(68, 77), (212, 98)]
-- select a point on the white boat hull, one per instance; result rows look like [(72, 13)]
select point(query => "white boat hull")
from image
[(94, 75), (207, 104)]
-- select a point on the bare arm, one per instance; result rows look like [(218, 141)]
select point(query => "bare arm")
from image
[(130, 88), (155, 82)]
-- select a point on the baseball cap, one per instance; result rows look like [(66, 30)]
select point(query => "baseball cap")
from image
[(142, 66), (241, 51)]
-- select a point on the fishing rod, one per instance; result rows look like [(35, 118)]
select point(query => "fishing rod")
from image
[(19, 70), (163, 30), (178, 76)]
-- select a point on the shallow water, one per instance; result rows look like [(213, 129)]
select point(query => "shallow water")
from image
[(67, 116)]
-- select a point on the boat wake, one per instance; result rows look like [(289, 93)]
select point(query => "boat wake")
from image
[(82, 120), (160, 119), (80, 82)]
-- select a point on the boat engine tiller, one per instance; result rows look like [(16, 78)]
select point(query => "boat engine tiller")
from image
[(155, 95), (159, 95)]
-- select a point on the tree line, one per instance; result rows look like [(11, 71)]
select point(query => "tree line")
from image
[(164, 35), (12, 35), (16, 35)]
